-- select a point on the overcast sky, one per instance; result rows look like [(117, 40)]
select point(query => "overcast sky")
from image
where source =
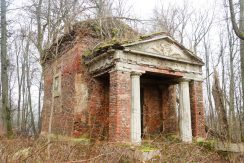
[(144, 8)]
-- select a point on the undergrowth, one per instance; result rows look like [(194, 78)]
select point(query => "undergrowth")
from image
[(64, 149)]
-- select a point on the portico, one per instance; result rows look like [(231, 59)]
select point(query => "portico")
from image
[(154, 86)]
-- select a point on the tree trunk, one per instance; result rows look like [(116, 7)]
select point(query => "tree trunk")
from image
[(242, 51), (219, 106), (19, 81), (23, 119), (39, 28), (238, 31), (39, 104), (28, 83), (208, 84), (4, 72)]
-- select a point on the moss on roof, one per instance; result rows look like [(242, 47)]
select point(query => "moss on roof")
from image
[(105, 46), (116, 43), (106, 32)]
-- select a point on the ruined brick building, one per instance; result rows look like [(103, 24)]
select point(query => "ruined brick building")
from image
[(125, 90)]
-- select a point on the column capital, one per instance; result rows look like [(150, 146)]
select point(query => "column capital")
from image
[(136, 73), (120, 70), (184, 80)]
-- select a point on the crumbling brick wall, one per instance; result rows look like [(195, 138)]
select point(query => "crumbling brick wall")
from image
[(159, 109), (82, 105), (61, 106), (170, 119), (88, 105), (120, 106), (197, 109), (47, 99), (98, 108), (152, 110)]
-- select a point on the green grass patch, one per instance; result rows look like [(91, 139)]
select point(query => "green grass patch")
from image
[(208, 144), (147, 148)]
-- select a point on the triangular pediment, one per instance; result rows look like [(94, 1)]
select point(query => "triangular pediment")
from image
[(165, 47)]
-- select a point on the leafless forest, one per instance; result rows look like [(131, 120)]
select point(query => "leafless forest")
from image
[(215, 34)]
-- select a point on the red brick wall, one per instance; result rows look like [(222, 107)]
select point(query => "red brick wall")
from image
[(98, 107), (50, 70), (152, 110), (119, 106), (159, 114), (108, 105), (64, 103), (93, 121), (170, 120), (70, 116), (197, 110), (47, 99)]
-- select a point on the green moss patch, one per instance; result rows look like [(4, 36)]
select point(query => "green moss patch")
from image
[(147, 148), (208, 144)]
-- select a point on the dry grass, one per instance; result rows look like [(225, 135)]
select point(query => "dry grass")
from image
[(30, 150)]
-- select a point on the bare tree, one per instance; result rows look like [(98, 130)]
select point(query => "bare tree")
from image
[(207, 55), (168, 19), (238, 30), (4, 72), (28, 84), (231, 41), (19, 82), (219, 106)]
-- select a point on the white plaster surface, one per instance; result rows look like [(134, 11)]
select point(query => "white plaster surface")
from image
[(135, 109), (185, 113)]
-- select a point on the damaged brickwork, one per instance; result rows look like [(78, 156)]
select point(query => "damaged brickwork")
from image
[(91, 94), (119, 106), (197, 109), (159, 110), (82, 104)]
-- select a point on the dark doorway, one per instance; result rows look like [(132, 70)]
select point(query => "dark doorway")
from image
[(142, 104)]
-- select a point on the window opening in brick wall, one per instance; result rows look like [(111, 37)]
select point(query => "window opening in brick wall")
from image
[(56, 85)]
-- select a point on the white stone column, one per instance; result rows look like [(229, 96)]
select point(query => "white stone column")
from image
[(185, 112), (135, 108)]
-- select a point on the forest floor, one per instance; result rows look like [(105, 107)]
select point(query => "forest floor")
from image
[(76, 150)]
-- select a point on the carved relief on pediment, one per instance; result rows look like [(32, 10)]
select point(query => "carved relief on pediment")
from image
[(166, 49)]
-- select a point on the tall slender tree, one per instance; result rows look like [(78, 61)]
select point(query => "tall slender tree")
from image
[(239, 31), (4, 72)]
